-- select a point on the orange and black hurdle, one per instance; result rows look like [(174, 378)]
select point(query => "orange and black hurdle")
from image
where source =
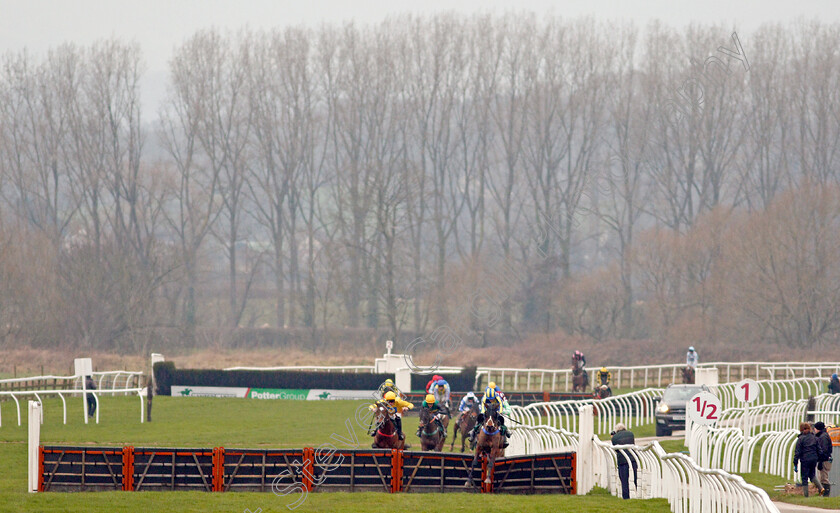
[(222, 469)]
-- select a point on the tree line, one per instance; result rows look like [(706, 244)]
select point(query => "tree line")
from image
[(614, 181)]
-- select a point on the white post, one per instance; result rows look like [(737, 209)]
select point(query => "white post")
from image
[(403, 379), (84, 368), (389, 344), (34, 444), (585, 467)]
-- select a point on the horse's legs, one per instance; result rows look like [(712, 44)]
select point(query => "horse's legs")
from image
[(454, 436), (472, 469), (491, 460)]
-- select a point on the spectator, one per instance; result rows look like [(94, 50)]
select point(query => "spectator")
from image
[(824, 462), (621, 436), (807, 452), (91, 402), (834, 385)]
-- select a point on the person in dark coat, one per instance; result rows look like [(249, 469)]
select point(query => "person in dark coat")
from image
[(621, 436), (91, 402), (824, 462), (834, 384), (807, 452)]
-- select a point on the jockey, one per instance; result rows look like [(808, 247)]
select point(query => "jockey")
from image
[(441, 392), (691, 358), (491, 402), (388, 386), (431, 382), (603, 377), (431, 404), (467, 402), (396, 406), (578, 360)]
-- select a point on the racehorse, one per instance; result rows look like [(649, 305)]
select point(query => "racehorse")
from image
[(432, 432), (488, 444), (602, 392), (580, 379), (688, 375), (386, 432), (465, 424)]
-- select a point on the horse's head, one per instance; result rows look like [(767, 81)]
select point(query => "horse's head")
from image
[(490, 424), (425, 416), (381, 412)]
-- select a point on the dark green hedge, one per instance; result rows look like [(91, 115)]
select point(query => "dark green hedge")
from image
[(167, 375), (164, 371), (462, 382)]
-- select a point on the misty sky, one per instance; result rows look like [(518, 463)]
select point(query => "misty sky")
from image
[(160, 25)]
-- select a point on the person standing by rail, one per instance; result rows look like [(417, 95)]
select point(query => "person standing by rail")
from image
[(807, 453), (621, 436), (825, 457)]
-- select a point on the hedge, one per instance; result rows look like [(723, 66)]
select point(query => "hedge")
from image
[(463, 382), (167, 375)]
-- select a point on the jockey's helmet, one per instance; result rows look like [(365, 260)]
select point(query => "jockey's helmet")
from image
[(492, 384), (834, 376), (430, 399), (441, 385), (389, 383), (691, 349), (604, 370), (390, 396)]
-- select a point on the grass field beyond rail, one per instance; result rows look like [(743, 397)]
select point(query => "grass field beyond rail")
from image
[(209, 422)]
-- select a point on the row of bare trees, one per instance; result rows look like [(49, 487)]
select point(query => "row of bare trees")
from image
[(378, 176)]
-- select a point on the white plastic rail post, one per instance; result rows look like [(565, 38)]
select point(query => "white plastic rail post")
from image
[(34, 444), (585, 465)]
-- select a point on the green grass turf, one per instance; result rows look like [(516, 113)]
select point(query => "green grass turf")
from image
[(210, 422)]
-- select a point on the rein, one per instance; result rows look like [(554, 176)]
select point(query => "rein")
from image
[(484, 430)]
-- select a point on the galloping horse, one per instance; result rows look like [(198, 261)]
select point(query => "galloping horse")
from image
[(386, 432), (432, 432), (580, 379), (489, 444), (688, 375), (465, 424)]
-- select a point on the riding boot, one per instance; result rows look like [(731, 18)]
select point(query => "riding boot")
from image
[(398, 425)]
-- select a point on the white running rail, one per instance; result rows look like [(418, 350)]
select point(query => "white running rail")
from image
[(773, 391), (688, 487), (555, 380), (104, 380), (731, 444), (38, 394), (540, 440), (632, 409)]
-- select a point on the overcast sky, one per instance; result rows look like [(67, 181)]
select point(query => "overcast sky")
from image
[(160, 25)]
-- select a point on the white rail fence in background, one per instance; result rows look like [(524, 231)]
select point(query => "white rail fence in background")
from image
[(556, 380), (773, 391), (38, 394), (104, 380), (632, 409)]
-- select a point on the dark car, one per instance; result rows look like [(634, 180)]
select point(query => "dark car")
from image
[(670, 412)]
